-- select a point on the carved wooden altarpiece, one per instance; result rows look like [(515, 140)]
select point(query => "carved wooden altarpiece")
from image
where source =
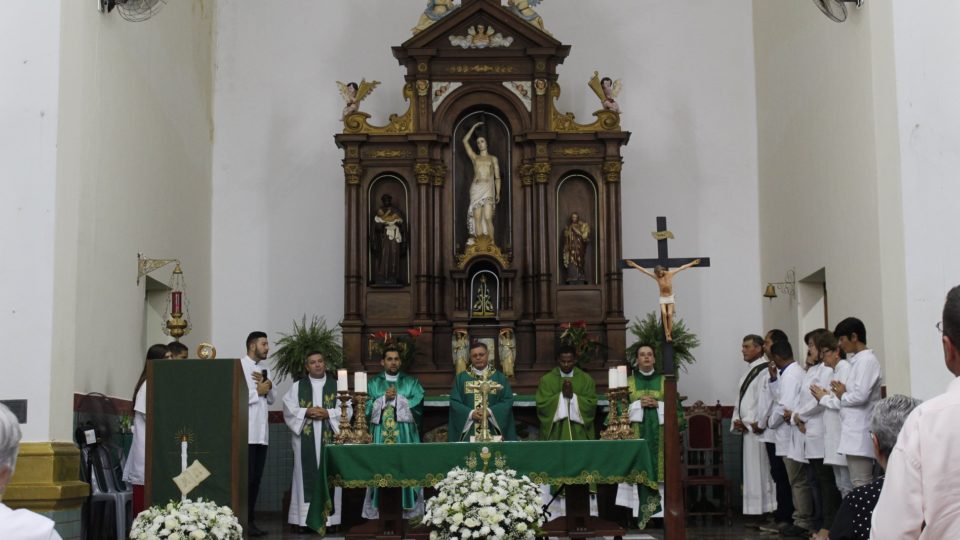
[(550, 166)]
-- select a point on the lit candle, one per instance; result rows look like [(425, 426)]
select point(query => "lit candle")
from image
[(183, 454), (177, 300), (612, 378), (342, 380), (622, 376)]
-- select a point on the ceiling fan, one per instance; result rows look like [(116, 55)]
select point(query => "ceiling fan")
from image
[(132, 10), (836, 10)]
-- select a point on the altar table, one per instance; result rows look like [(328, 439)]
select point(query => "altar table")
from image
[(576, 464)]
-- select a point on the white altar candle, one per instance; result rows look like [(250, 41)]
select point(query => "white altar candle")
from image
[(621, 376), (183, 461), (612, 378), (342, 380), (360, 382)]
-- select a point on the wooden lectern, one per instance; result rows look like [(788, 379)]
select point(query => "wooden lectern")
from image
[(202, 403)]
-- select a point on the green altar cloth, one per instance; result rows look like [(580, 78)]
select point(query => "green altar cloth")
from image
[(545, 462)]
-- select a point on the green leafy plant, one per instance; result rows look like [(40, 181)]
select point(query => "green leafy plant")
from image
[(649, 330), (585, 344), (292, 348)]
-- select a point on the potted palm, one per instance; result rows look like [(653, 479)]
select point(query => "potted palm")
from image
[(649, 331), (292, 348)]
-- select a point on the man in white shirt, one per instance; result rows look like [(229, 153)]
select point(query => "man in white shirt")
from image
[(922, 500), (17, 524), (260, 396), (786, 386), (857, 398), (759, 494), (783, 516)]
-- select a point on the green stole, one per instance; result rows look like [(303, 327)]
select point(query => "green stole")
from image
[(308, 455), (641, 385), (548, 392)]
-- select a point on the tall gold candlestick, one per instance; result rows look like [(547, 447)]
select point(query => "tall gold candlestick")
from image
[(361, 433), (345, 434)]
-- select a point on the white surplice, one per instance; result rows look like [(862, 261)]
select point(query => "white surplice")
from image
[(786, 389), (258, 431), (831, 416), (25, 525), (922, 483), (759, 491), (295, 417), (136, 461), (857, 403), (810, 412)]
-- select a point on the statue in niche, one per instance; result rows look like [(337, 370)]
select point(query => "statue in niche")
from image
[(524, 10), (607, 90), (387, 243), (435, 10), (576, 236), (484, 188), (461, 349), (353, 94), (508, 350)]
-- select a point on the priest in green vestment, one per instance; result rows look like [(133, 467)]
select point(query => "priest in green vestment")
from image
[(394, 410), (463, 417), (646, 419), (566, 401)]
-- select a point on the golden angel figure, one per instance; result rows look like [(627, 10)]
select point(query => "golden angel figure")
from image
[(508, 350), (461, 349), (353, 94), (607, 90)]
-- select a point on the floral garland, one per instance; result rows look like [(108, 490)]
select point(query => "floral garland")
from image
[(476, 504), (187, 520)]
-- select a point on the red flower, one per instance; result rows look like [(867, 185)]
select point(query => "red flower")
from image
[(580, 324), (565, 326), (415, 332), (382, 336)]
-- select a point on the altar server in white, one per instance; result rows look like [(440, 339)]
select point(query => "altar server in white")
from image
[(312, 412), (759, 494)]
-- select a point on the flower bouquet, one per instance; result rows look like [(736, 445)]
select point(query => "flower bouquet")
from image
[(475, 504), (406, 344), (187, 520)]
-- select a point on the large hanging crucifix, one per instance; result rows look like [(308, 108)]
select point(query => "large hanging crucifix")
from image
[(481, 390), (674, 522)]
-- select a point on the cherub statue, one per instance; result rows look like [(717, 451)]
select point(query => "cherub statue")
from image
[(353, 94), (481, 37), (461, 349), (508, 350), (524, 9), (607, 90), (435, 10)]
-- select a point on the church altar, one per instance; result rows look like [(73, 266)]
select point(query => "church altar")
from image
[(574, 463)]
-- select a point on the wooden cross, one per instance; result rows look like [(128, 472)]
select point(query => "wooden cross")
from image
[(481, 390), (674, 518)]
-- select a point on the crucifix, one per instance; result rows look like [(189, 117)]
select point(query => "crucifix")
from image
[(674, 519), (481, 396)]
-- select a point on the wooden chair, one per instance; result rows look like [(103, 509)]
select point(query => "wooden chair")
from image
[(703, 462)]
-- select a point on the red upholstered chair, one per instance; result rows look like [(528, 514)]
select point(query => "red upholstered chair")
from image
[(702, 471)]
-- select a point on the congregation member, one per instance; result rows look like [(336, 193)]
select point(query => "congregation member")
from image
[(260, 395), (178, 351), (394, 411), (17, 524), (921, 494), (134, 468), (566, 401), (857, 396), (853, 518), (312, 412), (759, 493), (809, 422), (832, 359), (463, 417), (783, 515), (784, 387)]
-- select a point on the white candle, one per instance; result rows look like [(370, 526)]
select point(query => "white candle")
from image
[(342, 380), (360, 382), (183, 455), (622, 376), (612, 378)]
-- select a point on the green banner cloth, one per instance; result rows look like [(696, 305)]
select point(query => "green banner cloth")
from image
[(545, 462)]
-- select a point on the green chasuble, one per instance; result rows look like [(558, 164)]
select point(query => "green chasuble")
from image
[(550, 396), (393, 424), (461, 406), (641, 385)]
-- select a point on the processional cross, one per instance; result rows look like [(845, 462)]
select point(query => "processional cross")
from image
[(675, 522), (481, 390)]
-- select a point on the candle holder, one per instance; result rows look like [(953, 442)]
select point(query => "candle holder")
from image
[(626, 431), (345, 434), (612, 431), (361, 433)]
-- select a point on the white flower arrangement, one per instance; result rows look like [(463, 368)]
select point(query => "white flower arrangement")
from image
[(187, 520), (475, 504)]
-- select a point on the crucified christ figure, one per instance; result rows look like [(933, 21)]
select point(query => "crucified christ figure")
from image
[(664, 278)]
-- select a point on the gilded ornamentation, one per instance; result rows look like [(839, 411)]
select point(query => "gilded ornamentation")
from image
[(481, 68), (611, 171), (384, 153), (353, 94), (351, 172), (439, 175), (399, 124), (662, 235), (422, 151), (481, 36), (423, 87), (423, 172), (422, 67), (541, 172), (352, 152), (526, 174), (206, 351), (541, 150), (483, 245), (567, 123), (607, 90), (574, 151)]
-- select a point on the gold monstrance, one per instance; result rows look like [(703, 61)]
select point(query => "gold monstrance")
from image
[(481, 390)]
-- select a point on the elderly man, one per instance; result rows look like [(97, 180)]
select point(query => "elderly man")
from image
[(464, 417), (19, 524), (853, 517), (918, 493)]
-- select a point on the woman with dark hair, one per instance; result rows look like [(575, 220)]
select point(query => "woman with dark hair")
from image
[(133, 469)]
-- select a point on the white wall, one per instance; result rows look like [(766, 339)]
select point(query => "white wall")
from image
[(928, 81), (278, 203), (133, 175), (29, 69)]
